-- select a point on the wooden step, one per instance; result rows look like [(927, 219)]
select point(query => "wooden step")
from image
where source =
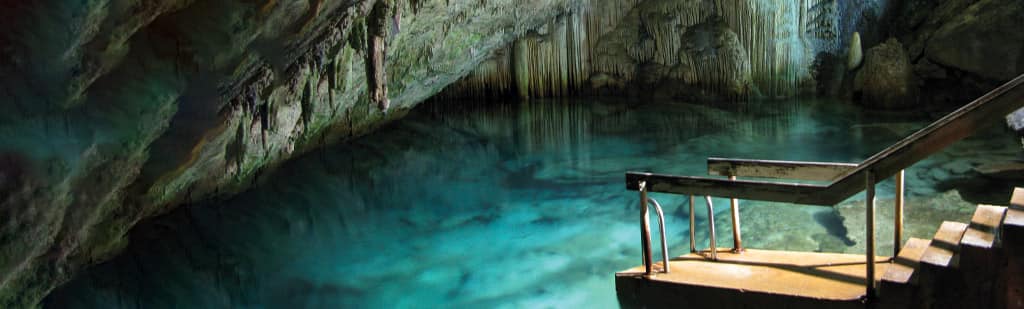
[(902, 270), (940, 277), (983, 231), (1014, 221), (982, 258), (941, 252), (1013, 242), (900, 281)]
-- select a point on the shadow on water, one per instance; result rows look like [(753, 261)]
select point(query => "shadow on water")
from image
[(833, 223)]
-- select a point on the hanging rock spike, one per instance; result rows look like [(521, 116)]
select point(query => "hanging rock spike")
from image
[(376, 51)]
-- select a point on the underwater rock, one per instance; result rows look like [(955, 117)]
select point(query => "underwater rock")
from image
[(855, 54), (885, 80), (1005, 171), (922, 216), (793, 227)]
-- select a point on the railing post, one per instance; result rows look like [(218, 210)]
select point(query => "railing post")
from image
[(645, 229), (737, 239), (898, 216), (869, 202), (693, 241)]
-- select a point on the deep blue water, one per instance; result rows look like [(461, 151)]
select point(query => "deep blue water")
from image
[(479, 205)]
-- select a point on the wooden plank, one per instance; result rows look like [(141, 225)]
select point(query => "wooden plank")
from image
[(743, 189), (815, 171)]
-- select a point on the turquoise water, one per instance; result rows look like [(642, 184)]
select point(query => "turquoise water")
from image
[(491, 205)]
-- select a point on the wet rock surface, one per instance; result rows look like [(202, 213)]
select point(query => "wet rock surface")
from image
[(960, 49), (885, 80), (711, 47), (646, 49), (984, 39)]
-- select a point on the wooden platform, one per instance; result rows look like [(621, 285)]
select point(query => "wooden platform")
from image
[(764, 277)]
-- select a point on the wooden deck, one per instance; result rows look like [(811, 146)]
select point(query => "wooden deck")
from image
[(764, 277)]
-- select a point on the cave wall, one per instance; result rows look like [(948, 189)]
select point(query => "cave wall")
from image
[(119, 110), (698, 50), (960, 49)]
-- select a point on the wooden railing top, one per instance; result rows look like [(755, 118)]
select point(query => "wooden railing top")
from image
[(931, 139)]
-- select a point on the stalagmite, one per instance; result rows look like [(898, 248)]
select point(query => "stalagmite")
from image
[(856, 54), (376, 50)]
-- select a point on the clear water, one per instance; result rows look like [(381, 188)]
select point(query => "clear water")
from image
[(486, 205)]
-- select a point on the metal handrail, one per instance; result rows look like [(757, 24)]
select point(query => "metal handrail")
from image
[(713, 247), (923, 143), (849, 180), (645, 226)]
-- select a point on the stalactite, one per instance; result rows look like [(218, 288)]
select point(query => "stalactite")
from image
[(604, 43), (376, 51)]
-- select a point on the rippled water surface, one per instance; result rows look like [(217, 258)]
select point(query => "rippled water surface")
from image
[(499, 205)]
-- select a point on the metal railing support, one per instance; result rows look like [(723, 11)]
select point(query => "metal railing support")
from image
[(737, 239), (645, 229), (869, 202), (645, 232), (711, 227), (664, 241), (693, 243), (898, 215)]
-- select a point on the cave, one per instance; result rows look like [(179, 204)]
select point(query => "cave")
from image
[(471, 153)]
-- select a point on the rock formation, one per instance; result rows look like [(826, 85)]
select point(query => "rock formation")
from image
[(855, 54), (712, 64), (960, 49), (627, 48), (885, 80), (118, 110)]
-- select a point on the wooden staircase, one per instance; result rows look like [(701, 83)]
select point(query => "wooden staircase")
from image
[(976, 265)]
